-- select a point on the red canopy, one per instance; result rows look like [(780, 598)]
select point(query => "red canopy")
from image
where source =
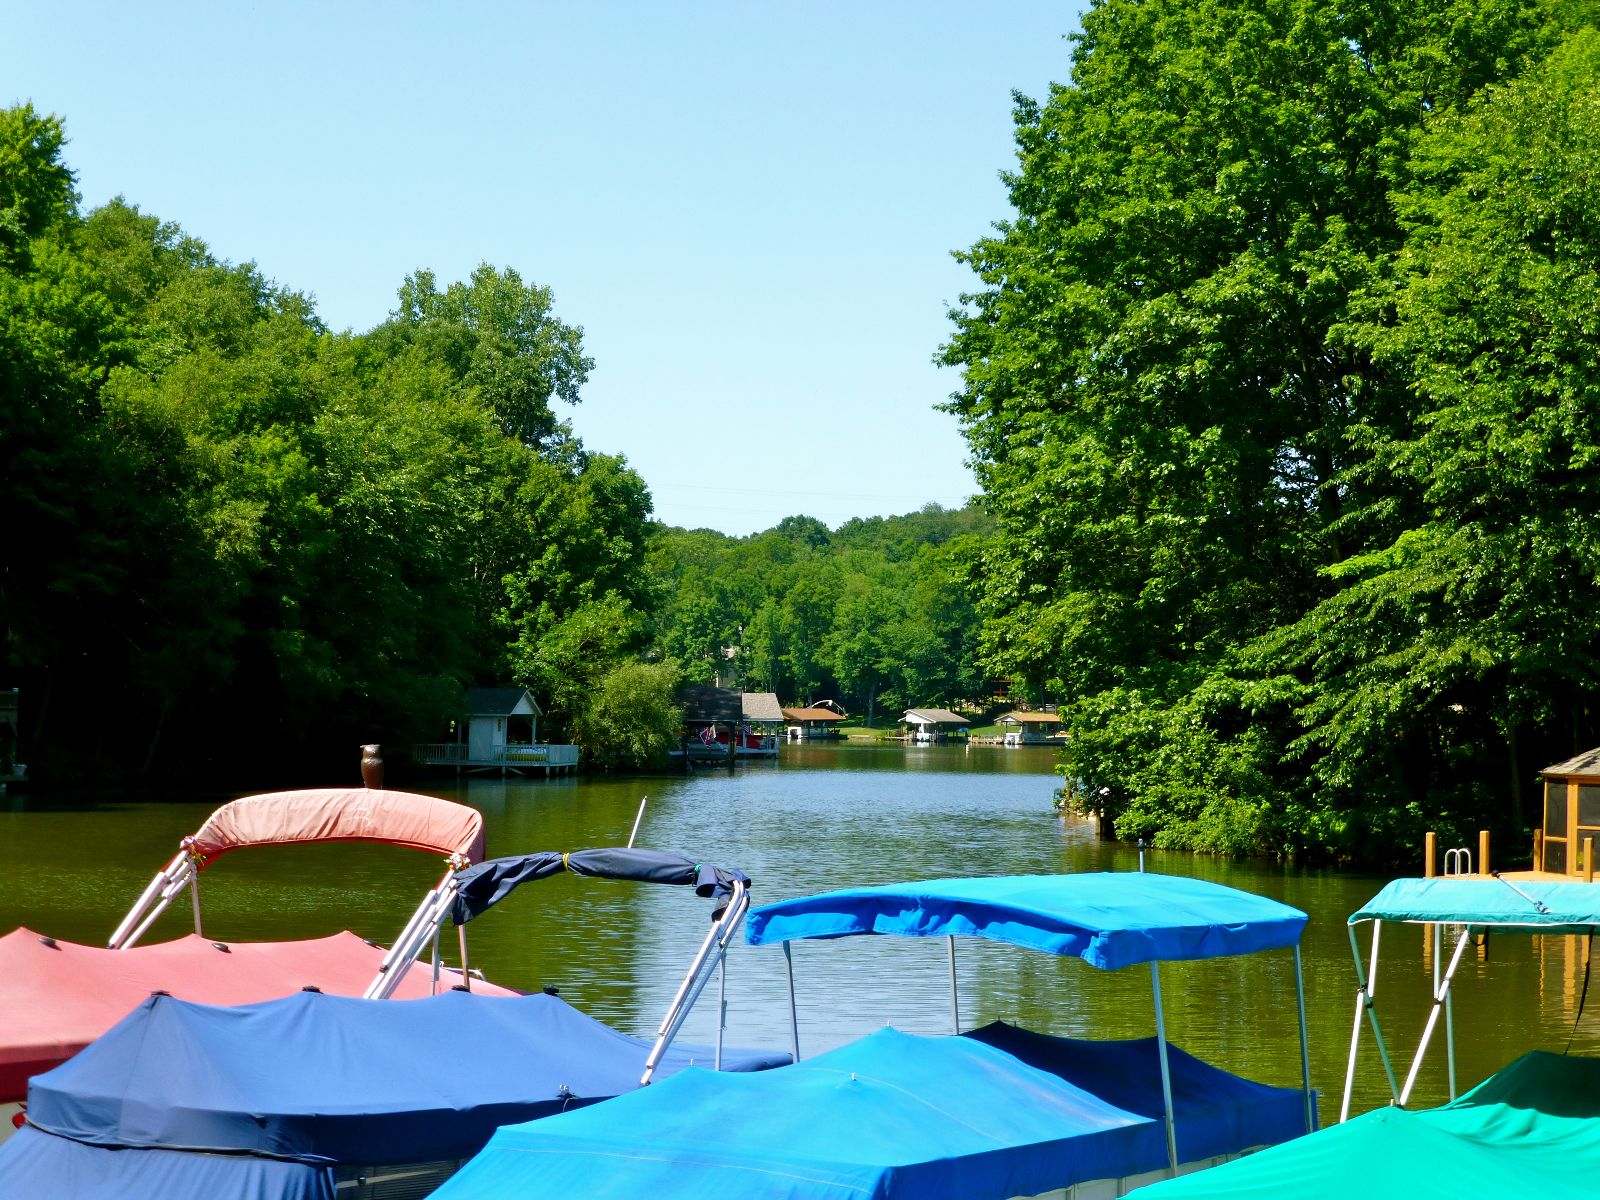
[(341, 815), (56, 997)]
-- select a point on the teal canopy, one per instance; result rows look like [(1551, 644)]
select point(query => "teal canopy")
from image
[(1109, 919), (1497, 903), (1528, 1130)]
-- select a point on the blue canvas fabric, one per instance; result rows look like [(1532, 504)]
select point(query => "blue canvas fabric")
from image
[(1537, 907), (1109, 919), (999, 1112), (333, 1079), (40, 1166), (1215, 1111), (889, 1115), (485, 884)]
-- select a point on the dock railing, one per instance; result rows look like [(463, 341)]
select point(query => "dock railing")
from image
[(459, 754)]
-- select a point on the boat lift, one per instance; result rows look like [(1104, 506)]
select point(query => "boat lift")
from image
[(465, 894), (1473, 905)]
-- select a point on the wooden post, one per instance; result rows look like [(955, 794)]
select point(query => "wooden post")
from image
[(1588, 860), (1538, 849), (1430, 853), (1483, 852)]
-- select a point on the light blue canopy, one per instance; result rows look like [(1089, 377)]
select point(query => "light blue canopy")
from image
[(999, 1113), (1538, 907), (1108, 919)]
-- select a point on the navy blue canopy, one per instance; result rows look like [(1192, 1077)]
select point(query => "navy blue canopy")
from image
[(1109, 919), (333, 1079), (35, 1165), (890, 1115), (487, 883)]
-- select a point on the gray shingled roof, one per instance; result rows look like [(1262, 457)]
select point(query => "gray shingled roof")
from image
[(761, 706), (497, 702), (1587, 763)]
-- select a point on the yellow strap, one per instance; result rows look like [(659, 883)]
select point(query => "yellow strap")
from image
[(564, 865)]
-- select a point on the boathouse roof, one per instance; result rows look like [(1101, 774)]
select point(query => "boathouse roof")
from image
[(703, 705), (811, 714), (934, 716), (501, 702), (761, 706), (1587, 763), (1028, 718)]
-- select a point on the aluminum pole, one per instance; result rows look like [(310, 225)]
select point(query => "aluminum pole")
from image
[(1433, 1015), (1166, 1069), (1305, 1041), (794, 1015), (955, 999), (643, 800)]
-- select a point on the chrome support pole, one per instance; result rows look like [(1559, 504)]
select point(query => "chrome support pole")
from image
[(1305, 1041), (1433, 1014), (722, 1007), (794, 1014), (194, 897), (643, 800), (955, 998), (1166, 1069)]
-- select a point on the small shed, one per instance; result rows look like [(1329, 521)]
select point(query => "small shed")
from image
[(1571, 813), (934, 724), (811, 724), (500, 717), (1030, 728)]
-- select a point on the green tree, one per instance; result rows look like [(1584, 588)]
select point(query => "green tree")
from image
[(631, 720)]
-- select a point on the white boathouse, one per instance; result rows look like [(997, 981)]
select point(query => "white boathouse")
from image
[(499, 730)]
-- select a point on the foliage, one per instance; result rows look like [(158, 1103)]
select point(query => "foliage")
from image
[(230, 526), (1287, 342), (631, 719)]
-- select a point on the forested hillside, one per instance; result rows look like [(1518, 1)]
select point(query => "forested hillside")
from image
[(235, 544), (1283, 387)]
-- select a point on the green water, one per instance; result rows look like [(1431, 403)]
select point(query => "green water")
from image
[(822, 817)]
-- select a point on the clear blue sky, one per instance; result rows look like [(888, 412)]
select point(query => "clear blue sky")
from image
[(748, 207)]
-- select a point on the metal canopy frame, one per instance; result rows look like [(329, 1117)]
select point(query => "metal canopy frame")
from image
[(1168, 1116), (1443, 997), (426, 925)]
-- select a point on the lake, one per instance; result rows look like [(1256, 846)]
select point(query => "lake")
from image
[(824, 816)]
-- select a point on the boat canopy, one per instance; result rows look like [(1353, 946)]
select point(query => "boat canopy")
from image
[(59, 996), (338, 1080), (1109, 919), (1501, 904), (890, 1115), (341, 815), (480, 887), (1532, 1129), (35, 1164)]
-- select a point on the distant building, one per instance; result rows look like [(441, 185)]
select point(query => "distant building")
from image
[(934, 724), (499, 730), (1030, 728), (812, 724)]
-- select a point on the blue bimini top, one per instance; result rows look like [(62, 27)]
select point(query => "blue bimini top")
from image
[(998, 1113), (1108, 919)]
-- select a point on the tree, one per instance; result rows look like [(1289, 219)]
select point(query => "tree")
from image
[(631, 720), (1172, 432)]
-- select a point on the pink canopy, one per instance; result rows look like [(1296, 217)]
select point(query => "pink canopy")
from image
[(56, 997), (341, 815)]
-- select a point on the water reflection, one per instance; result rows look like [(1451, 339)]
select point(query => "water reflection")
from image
[(823, 816)]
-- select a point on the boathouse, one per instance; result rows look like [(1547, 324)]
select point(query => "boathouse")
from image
[(1029, 728), (499, 730), (934, 724), (812, 724)]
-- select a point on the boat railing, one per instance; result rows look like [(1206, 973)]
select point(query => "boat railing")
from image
[(713, 957), (460, 754)]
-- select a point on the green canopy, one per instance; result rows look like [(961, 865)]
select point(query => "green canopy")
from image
[(1537, 906), (1528, 1130)]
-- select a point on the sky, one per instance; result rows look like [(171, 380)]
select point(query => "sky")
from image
[(749, 208)]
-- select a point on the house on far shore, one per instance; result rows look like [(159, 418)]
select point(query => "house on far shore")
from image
[(499, 730), (812, 724), (1030, 728), (727, 724), (934, 724)]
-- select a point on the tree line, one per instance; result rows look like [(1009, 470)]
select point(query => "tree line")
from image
[(1283, 389), (234, 543)]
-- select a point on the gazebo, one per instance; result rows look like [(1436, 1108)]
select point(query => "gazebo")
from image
[(1030, 728), (1565, 842), (934, 724)]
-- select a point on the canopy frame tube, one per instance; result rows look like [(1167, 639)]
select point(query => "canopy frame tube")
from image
[(1167, 1115), (1441, 993), (1305, 1041), (1366, 991), (955, 999)]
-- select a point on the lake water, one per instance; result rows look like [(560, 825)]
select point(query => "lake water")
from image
[(822, 817)]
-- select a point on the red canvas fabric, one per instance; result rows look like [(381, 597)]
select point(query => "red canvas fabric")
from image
[(343, 814), (57, 998)]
